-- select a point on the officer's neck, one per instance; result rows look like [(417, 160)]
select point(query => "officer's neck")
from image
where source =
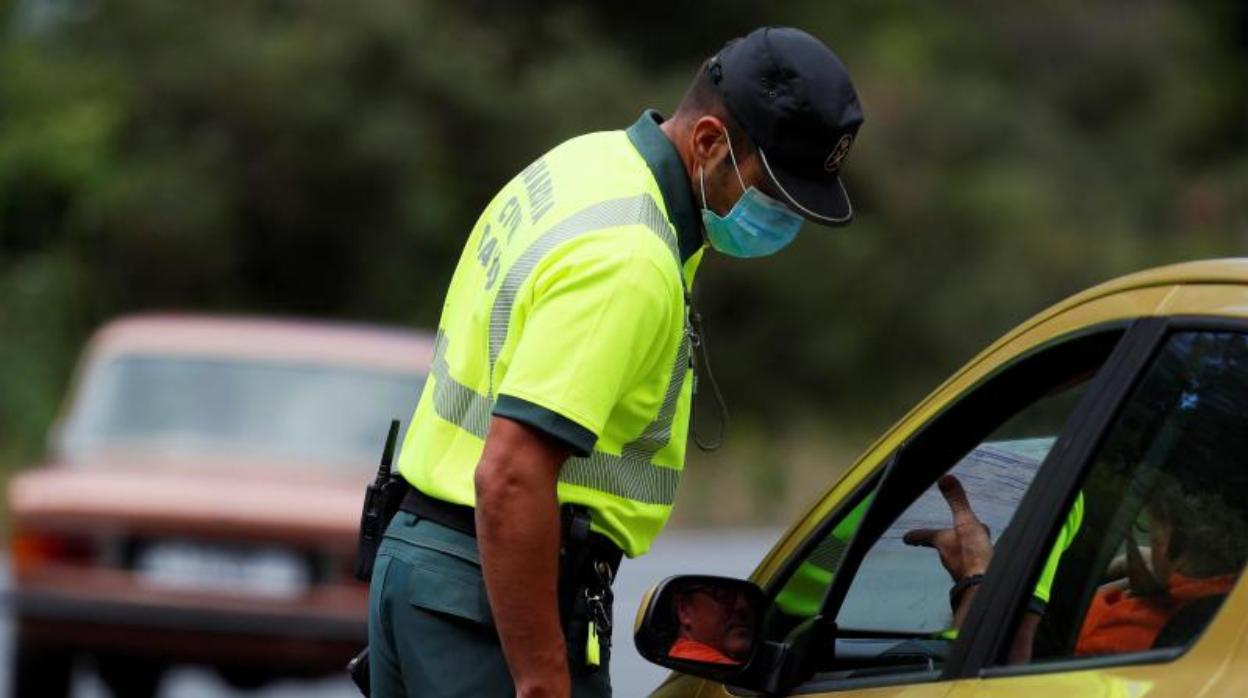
[(677, 131)]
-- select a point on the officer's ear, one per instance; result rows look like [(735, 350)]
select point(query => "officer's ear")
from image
[(708, 141)]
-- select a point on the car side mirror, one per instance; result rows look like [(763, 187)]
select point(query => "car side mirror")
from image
[(701, 625)]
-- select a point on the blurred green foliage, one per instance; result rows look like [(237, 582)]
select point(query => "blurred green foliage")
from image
[(322, 158)]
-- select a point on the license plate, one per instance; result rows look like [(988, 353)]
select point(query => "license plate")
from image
[(268, 572)]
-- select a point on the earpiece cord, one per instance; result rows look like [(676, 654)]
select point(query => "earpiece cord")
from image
[(697, 338)]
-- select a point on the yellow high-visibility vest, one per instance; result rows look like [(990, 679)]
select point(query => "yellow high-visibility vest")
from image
[(567, 312)]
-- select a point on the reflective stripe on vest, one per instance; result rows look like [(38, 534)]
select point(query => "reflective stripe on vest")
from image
[(630, 475)]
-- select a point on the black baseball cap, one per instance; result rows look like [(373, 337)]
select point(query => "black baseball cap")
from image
[(794, 99)]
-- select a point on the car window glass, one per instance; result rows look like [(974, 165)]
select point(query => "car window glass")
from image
[(903, 588), (1164, 535), (172, 404)]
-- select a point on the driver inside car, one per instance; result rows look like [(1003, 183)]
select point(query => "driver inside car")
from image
[(1197, 547)]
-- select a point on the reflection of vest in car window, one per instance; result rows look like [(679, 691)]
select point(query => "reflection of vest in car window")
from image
[(803, 594)]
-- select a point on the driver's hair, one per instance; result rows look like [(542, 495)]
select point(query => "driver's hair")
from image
[(1207, 534)]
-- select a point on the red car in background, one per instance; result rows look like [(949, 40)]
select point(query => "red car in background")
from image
[(201, 500)]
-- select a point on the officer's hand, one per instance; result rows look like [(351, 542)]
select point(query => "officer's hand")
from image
[(965, 549)]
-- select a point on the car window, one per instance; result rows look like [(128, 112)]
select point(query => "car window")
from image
[(327, 414), (1165, 521), (903, 588), (993, 439)]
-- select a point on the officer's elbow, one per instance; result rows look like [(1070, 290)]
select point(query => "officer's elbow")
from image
[(491, 480), (509, 484), (500, 481), (518, 468)]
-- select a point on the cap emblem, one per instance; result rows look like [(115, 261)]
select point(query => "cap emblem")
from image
[(833, 163)]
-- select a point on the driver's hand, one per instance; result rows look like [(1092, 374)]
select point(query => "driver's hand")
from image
[(964, 549), (1123, 565)]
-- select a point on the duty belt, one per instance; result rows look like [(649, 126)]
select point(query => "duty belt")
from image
[(458, 517)]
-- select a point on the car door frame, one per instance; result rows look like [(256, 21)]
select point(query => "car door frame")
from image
[(1042, 510), (1040, 513), (979, 660)]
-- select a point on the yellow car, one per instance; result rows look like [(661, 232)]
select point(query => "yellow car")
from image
[(1066, 516)]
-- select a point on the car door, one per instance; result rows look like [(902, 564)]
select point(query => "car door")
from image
[(890, 602), (1146, 598)]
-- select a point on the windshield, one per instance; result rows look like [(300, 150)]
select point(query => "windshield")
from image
[(324, 413)]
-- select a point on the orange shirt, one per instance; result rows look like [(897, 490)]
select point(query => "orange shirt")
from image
[(695, 651), (1118, 622)]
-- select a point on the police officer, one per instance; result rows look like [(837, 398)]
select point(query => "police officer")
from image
[(562, 378)]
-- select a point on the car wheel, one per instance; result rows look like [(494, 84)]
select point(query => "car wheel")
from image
[(127, 677), (41, 671)]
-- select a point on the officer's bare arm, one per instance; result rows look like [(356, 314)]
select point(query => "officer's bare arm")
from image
[(518, 532)]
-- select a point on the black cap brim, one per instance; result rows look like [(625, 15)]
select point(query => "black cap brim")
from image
[(823, 201)]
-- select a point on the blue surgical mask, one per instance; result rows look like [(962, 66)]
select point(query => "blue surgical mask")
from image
[(756, 226)]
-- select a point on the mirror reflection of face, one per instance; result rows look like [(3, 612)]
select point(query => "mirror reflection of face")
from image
[(720, 619)]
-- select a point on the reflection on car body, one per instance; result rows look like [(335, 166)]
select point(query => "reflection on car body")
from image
[(201, 500), (1103, 444)]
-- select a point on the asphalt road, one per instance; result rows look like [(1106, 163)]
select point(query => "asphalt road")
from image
[(731, 553)]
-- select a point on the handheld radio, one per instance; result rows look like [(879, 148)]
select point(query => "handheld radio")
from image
[(381, 501)]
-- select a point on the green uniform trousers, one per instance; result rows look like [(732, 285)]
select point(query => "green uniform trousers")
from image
[(430, 632)]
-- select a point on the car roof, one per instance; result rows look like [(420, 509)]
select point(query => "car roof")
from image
[(1209, 271), (1231, 271), (260, 338)]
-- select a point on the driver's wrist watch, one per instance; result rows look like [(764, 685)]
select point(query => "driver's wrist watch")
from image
[(955, 593)]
